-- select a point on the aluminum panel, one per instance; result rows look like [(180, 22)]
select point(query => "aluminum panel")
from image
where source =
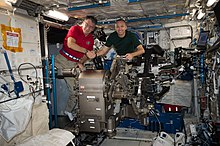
[(94, 108)]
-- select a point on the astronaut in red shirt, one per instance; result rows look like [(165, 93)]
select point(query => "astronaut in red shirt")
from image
[(78, 43), (79, 40)]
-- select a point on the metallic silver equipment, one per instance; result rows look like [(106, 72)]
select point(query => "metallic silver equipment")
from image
[(101, 93), (94, 108)]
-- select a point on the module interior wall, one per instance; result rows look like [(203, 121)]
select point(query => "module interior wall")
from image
[(30, 43)]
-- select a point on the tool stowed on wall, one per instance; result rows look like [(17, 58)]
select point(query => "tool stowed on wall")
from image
[(18, 86)]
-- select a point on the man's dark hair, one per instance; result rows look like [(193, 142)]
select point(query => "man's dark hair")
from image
[(92, 18), (120, 19)]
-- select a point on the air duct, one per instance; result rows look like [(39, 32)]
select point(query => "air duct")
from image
[(32, 8)]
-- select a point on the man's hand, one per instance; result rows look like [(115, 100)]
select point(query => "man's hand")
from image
[(129, 56), (81, 67), (90, 54)]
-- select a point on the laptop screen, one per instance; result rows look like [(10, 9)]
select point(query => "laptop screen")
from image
[(202, 41)]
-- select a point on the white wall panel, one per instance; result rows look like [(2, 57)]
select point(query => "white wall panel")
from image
[(4, 19), (30, 40), (29, 27), (164, 39), (184, 43), (30, 44), (180, 32)]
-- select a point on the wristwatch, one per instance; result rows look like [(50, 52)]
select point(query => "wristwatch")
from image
[(86, 51)]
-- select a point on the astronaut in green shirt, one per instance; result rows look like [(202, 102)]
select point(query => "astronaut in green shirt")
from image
[(124, 42)]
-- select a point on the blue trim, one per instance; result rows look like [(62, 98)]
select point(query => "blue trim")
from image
[(145, 27), (133, 1), (202, 68), (148, 18), (18, 86), (8, 64), (89, 6), (70, 56), (47, 86), (54, 91)]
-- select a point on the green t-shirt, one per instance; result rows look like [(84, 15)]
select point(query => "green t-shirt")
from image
[(122, 46)]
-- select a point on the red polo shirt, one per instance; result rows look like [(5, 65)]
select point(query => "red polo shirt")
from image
[(86, 42)]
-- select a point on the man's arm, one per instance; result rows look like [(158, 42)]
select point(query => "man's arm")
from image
[(71, 43), (82, 61), (140, 50), (100, 52), (104, 50)]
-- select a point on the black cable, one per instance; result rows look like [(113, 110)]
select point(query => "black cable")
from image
[(19, 70), (31, 88), (2, 92), (19, 97), (9, 100)]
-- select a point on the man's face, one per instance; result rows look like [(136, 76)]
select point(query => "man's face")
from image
[(88, 26), (120, 28)]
